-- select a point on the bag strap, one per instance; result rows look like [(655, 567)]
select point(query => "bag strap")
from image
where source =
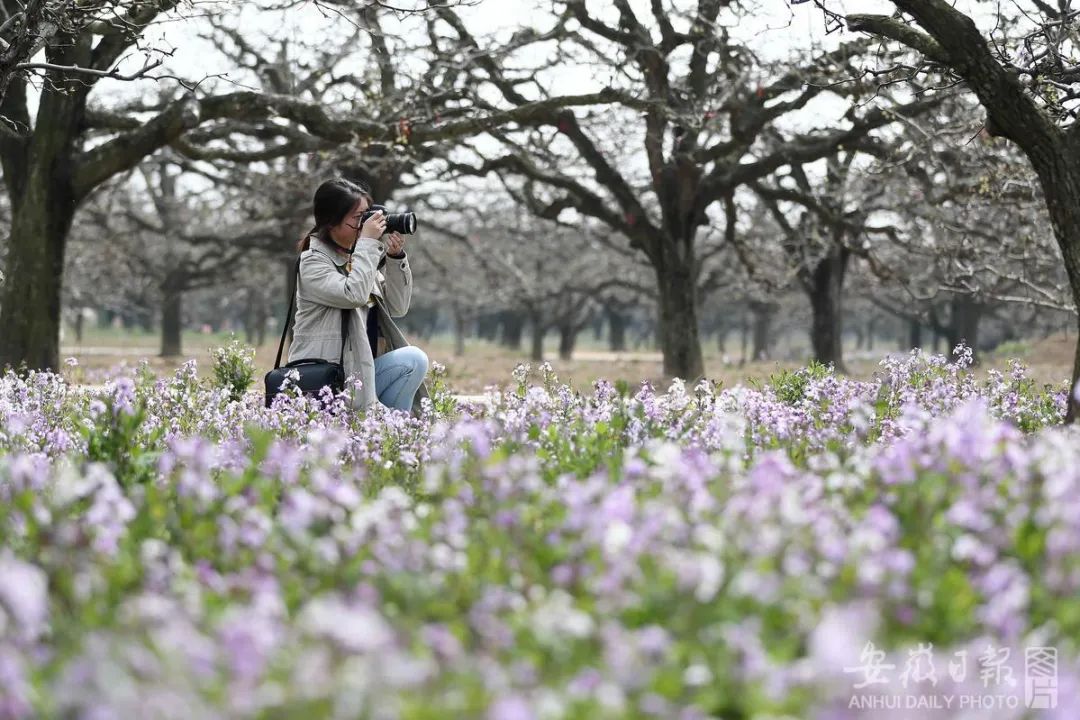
[(344, 335), (289, 319)]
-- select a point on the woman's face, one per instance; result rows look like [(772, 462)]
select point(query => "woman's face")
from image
[(346, 232)]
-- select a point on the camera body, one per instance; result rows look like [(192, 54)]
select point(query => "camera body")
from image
[(403, 223)]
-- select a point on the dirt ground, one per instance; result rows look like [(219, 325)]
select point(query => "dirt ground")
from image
[(485, 364)]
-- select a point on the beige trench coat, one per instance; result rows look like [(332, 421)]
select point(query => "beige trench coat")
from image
[(325, 288)]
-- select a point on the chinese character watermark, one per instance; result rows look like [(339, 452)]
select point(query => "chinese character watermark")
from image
[(1040, 678), (873, 665), (924, 688), (994, 670), (920, 666)]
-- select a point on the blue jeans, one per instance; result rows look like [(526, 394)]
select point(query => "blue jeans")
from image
[(398, 375)]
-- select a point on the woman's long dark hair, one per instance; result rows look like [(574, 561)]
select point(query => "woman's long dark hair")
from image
[(333, 201)]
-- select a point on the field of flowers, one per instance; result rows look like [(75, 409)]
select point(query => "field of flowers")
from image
[(812, 547)]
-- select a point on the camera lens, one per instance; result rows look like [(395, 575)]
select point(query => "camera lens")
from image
[(404, 223)]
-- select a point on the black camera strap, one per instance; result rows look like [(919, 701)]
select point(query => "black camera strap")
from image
[(289, 319)]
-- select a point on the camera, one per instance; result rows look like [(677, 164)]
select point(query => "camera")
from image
[(404, 223)]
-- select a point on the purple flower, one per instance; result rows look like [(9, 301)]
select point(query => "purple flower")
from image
[(123, 396), (23, 596), (15, 688), (248, 640), (510, 707)]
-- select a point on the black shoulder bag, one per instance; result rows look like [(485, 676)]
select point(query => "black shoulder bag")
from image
[(315, 373)]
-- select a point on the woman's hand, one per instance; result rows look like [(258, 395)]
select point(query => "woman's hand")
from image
[(374, 227), (395, 244)]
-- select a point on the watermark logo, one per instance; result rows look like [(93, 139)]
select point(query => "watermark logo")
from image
[(924, 684), (920, 666), (993, 669), (958, 667), (873, 667), (1040, 678)]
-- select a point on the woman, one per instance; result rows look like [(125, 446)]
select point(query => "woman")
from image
[(340, 266)]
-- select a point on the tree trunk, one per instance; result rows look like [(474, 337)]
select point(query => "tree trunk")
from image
[(825, 289), (487, 326), (80, 320), (1059, 175), (172, 307), (870, 329), (762, 329), (678, 331), (914, 334), (1073, 404), (513, 329), (597, 324), (38, 175), (459, 331), (567, 339), (966, 312), (616, 330), (744, 339), (30, 309), (537, 331)]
